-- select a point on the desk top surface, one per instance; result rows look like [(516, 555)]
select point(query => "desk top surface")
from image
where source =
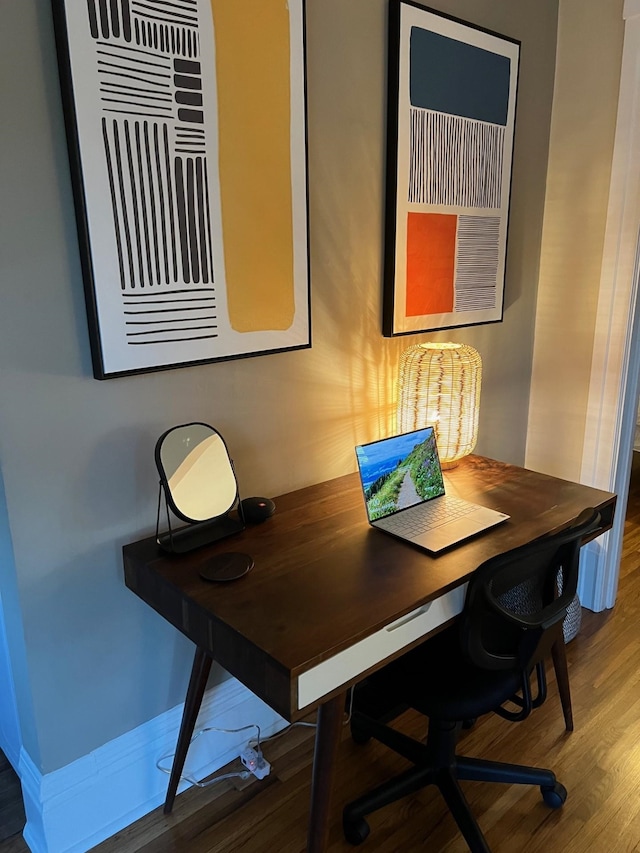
[(324, 579)]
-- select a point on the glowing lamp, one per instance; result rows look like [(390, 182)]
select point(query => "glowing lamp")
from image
[(439, 386)]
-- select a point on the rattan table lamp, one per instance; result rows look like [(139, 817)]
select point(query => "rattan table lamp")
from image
[(439, 386)]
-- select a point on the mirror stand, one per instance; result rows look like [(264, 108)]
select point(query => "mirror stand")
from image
[(194, 535)]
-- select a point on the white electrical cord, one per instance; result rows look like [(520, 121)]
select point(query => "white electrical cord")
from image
[(242, 774), (254, 743), (349, 712)]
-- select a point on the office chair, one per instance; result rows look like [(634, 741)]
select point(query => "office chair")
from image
[(481, 663)]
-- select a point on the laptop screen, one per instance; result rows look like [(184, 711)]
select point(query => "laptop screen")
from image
[(399, 472)]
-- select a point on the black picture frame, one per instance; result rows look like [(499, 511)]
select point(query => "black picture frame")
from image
[(452, 93), (191, 200)]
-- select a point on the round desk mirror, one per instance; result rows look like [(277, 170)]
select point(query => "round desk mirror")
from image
[(199, 485)]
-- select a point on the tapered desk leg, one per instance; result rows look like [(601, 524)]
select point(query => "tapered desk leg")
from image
[(197, 683), (559, 655), (330, 716)]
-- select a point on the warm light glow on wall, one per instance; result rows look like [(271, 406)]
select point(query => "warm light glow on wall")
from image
[(439, 386)]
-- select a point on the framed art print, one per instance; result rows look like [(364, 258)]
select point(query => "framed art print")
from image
[(186, 123), (452, 104)]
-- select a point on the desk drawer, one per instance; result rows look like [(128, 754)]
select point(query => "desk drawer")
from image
[(348, 664)]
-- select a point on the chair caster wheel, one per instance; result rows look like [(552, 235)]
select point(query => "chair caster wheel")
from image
[(555, 795), (470, 723), (355, 830)]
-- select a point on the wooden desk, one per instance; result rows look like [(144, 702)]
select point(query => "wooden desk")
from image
[(330, 599)]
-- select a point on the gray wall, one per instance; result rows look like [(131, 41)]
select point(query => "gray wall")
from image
[(585, 106), (76, 455)]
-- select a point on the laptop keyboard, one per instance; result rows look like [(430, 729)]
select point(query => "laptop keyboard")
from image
[(427, 516)]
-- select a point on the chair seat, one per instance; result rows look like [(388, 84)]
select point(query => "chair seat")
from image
[(437, 680)]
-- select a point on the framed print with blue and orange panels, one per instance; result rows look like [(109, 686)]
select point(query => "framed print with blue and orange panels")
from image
[(451, 120)]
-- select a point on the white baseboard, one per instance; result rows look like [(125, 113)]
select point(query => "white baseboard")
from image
[(78, 806)]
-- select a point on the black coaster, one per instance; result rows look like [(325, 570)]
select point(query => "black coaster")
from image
[(227, 567)]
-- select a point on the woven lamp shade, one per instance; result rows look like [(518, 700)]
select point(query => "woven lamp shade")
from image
[(439, 386)]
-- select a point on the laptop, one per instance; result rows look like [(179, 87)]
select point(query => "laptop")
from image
[(404, 493)]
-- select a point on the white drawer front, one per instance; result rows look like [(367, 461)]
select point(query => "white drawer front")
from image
[(346, 665)]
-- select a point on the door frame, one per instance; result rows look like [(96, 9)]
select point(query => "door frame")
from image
[(615, 369)]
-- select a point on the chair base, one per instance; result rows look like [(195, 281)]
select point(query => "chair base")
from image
[(437, 764)]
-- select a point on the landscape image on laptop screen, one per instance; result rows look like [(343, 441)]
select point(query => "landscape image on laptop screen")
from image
[(399, 472)]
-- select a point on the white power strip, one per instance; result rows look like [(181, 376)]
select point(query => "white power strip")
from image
[(255, 762)]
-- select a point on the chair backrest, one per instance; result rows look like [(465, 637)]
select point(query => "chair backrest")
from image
[(515, 599)]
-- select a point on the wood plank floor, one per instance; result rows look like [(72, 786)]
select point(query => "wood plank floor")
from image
[(599, 764), (12, 817)]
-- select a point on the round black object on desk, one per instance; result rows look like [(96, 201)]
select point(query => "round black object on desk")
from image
[(227, 567), (254, 510)]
